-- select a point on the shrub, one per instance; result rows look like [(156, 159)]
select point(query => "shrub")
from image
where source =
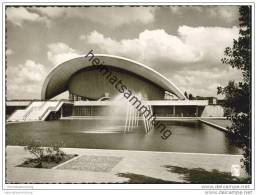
[(45, 154)]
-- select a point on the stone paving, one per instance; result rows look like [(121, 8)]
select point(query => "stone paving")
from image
[(92, 163), (108, 163)]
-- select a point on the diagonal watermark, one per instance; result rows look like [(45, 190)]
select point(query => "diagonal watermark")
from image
[(128, 95)]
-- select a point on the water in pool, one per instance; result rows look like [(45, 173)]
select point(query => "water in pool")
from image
[(187, 136)]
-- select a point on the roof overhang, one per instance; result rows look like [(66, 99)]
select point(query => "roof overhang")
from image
[(57, 79), (150, 103)]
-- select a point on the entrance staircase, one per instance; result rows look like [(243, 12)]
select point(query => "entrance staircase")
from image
[(36, 111)]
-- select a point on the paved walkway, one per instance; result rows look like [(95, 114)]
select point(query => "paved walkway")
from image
[(102, 166), (221, 124)]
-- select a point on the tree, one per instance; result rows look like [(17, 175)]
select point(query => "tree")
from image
[(238, 95), (190, 96), (185, 94)]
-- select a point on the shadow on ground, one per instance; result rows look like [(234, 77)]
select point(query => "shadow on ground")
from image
[(190, 176), (143, 179), (202, 176)]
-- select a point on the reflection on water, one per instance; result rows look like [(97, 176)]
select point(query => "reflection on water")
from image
[(188, 136)]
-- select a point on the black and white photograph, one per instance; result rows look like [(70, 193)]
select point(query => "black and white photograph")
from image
[(128, 94)]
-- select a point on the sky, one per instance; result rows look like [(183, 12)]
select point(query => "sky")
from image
[(184, 43)]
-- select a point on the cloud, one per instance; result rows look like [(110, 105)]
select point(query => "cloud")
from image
[(125, 15), (51, 12), (190, 58), (149, 45), (18, 15), (112, 16), (9, 52), (179, 10), (190, 45), (82, 37), (210, 41), (204, 82), (29, 71), (60, 52), (25, 80), (228, 13)]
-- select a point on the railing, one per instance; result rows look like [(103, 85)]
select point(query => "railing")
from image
[(13, 114), (28, 113), (33, 108), (10, 118), (30, 104), (42, 105), (50, 109)]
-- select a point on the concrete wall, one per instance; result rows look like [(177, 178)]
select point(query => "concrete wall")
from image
[(11, 109), (94, 84), (213, 111)]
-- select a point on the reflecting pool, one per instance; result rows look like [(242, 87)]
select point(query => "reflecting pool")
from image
[(187, 136)]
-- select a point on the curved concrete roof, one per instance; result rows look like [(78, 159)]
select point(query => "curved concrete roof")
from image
[(57, 80)]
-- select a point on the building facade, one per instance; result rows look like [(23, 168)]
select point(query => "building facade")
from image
[(93, 87)]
